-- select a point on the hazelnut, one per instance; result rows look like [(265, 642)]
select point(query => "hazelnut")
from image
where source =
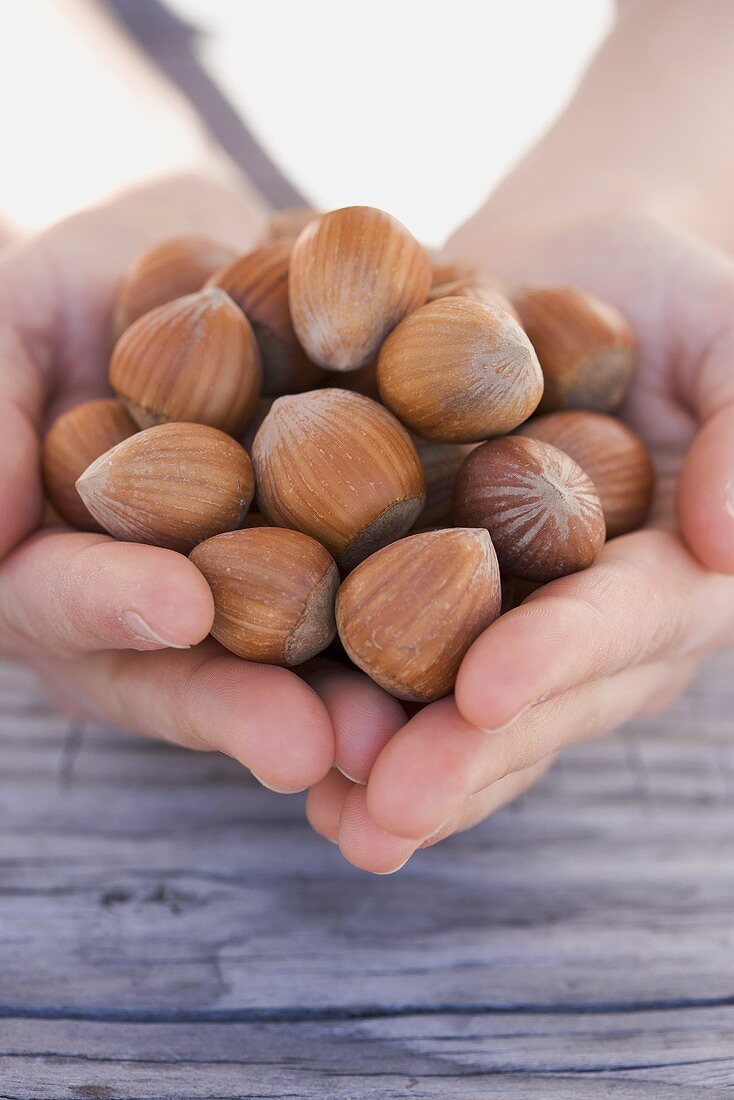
[(448, 271), (274, 593), (166, 271), (459, 370), (289, 222), (339, 467), (584, 345), (195, 359), (482, 290), (539, 506), (616, 460), (258, 284), (75, 439), (172, 485), (262, 408), (354, 274), (440, 462), (408, 614), (362, 380)]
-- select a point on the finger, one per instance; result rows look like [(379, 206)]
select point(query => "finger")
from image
[(66, 593), (204, 698), (488, 801), (370, 848), (324, 804), (21, 398), (365, 844), (364, 717), (706, 492), (644, 598), (426, 773), (703, 336)]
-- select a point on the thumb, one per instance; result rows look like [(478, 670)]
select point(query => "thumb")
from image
[(706, 482), (21, 394)]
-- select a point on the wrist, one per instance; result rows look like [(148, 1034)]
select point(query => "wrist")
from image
[(638, 138)]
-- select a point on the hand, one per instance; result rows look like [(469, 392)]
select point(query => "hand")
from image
[(587, 652), (108, 624)]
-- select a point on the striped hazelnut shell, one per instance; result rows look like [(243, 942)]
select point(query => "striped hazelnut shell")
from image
[(613, 456), (288, 222), (585, 347), (74, 440), (459, 370), (407, 615), (194, 360), (440, 462), (172, 485), (354, 274), (274, 593), (541, 509), (258, 284), (339, 467), (168, 270), (482, 290)]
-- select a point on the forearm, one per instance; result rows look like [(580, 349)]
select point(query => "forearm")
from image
[(645, 132)]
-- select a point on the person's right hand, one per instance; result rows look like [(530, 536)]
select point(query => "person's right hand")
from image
[(109, 624)]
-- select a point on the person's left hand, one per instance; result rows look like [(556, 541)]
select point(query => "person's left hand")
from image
[(588, 652)]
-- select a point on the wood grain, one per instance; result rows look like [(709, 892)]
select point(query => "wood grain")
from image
[(168, 929)]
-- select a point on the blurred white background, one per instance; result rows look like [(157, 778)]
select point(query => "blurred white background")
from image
[(416, 106)]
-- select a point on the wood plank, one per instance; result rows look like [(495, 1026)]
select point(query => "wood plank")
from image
[(183, 929), (677, 1053)]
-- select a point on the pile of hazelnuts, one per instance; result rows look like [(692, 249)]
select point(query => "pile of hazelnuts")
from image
[(422, 446)]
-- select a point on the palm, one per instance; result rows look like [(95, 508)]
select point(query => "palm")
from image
[(589, 651), (114, 627)]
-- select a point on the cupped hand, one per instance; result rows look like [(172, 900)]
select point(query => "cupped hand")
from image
[(113, 627), (588, 652)]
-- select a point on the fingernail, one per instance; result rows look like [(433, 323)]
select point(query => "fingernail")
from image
[(351, 778), (521, 713), (394, 870), (135, 623), (729, 497), (269, 786)]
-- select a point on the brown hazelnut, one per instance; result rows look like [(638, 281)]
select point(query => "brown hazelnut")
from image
[(440, 462), (74, 440), (539, 506), (258, 284), (172, 485), (616, 460), (195, 360), (408, 614), (354, 274), (459, 370), (584, 345), (339, 467), (274, 593), (168, 270)]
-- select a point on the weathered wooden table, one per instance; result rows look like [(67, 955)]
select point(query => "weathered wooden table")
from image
[(168, 929)]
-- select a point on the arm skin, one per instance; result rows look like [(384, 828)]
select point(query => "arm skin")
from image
[(629, 195)]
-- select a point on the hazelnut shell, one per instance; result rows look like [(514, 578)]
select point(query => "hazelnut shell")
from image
[(73, 441), (258, 284), (274, 593), (459, 370), (407, 615), (168, 270), (354, 274), (613, 456), (539, 506), (339, 467), (172, 485), (585, 347), (193, 360)]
